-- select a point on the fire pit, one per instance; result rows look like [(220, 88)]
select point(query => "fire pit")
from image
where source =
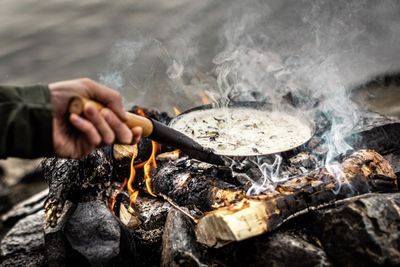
[(150, 205)]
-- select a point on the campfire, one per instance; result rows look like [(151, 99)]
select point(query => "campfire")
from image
[(150, 204), (277, 199)]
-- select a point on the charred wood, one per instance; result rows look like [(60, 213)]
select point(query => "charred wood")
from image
[(145, 222), (376, 132), (76, 180), (154, 114), (180, 247), (190, 183)]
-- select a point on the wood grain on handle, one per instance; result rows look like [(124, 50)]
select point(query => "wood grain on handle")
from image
[(79, 103)]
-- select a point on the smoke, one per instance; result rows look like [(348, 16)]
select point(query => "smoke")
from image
[(261, 62), (150, 72), (314, 49), (270, 175), (314, 56)]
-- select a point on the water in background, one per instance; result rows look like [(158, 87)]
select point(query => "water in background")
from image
[(148, 49)]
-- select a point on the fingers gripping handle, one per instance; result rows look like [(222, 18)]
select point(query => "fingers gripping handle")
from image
[(78, 104)]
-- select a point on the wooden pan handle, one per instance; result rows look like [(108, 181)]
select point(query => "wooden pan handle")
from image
[(78, 104)]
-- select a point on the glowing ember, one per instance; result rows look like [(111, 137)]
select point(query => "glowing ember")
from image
[(140, 112)]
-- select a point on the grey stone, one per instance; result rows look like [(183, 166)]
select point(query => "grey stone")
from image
[(275, 249), (94, 232), (24, 243), (25, 208), (364, 231)]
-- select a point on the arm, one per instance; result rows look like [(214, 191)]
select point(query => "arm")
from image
[(34, 121), (25, 122)]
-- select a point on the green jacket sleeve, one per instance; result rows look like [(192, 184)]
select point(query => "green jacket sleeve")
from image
[(25, 122)]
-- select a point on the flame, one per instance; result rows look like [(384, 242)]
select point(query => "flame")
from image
[(177, 111), (132, 191), (113, 198), (140, 112), (204, 98), (149, 166)]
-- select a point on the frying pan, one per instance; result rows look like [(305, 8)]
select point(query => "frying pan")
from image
[(257, 106)]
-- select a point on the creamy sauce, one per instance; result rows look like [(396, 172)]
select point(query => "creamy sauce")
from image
[(243, 131)]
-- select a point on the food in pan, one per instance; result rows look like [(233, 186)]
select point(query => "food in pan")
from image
[(244, 131)]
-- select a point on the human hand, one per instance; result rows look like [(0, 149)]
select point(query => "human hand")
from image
[(96, 128)]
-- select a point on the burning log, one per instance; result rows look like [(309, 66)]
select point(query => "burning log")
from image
[(362, 172), (189, 182)]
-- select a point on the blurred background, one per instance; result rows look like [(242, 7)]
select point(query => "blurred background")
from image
[(166, 53)]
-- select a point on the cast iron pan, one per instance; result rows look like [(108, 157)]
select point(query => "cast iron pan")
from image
[(258, 106)]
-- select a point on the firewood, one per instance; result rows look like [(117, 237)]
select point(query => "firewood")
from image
[(127, 217), (194, 183), (122, 152), (76, 180), (362, 172), (179, 246), (377, 132)]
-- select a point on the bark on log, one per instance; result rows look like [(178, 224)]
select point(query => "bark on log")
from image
[(189, 182), (147, 226), (179, 246), (376, 132), (76, 180), (364, 171)]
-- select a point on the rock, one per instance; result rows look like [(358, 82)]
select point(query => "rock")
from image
[(5, 202), (94, 232), (58, 252), (287, 249), (364, 231), (25, 208), (24, 243), (16, 169), (274, 249)]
